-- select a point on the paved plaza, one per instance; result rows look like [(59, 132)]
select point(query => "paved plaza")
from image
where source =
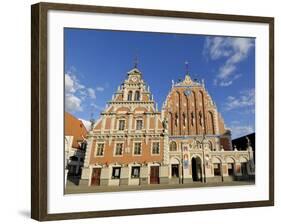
[(71, 188)]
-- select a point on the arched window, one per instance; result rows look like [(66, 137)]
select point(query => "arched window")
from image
[(192, 118), (176, 119), (183, 119), (137, 95), (211, 123), (173, 146), (130, 95), (171, 123), (200, 118)]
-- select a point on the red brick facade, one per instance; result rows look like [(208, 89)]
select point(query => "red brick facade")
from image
[(190, 111)]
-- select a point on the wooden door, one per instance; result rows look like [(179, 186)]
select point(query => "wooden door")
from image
[(96, 176), (154, 175)]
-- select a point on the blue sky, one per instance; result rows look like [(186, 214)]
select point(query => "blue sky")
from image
[(97, 61)]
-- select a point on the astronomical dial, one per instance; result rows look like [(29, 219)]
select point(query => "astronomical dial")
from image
[(187, 92)]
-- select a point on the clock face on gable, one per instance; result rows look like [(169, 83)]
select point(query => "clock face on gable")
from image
[(134, 79), (187, 92)]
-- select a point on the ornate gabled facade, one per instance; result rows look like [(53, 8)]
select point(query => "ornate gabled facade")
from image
[(126, 145), (200, 147), (132, 143)]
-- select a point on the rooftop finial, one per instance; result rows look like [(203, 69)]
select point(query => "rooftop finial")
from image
[(186, 66), (136, 61)]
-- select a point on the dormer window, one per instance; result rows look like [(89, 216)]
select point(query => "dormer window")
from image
[(137, 95), (129, 96)]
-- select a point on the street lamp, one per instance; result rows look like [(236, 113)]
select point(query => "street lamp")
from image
[(203, 150)]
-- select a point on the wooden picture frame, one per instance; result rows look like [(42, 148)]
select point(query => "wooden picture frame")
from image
[(39, 109)]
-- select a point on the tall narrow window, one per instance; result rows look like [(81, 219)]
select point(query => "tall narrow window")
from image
[(100, 149), (137, 95), (137, 148), (200, 118), (130, 95), (176, 119), (173, 146), (139, 125), (192, 118), (155, 148), (119, 149), (121, 125), (183, 119)]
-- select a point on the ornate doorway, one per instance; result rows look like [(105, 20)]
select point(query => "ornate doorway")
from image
[(196, 169)]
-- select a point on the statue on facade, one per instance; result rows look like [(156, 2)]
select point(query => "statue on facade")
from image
[(92, 123), (249, 145), (165, 123)]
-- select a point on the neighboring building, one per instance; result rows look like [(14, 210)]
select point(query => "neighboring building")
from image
[(134, 144), (242, 142), (75, 144)]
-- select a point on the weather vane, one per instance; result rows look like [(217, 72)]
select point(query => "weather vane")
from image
[(136, 62), (186, 66)]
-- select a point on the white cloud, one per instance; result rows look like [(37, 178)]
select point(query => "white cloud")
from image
[(241, 130), (100, 89), (245, 99), (233, 50), (72, 88), (97, 107), (77, 95), (72, 103), (91, 93), (69, 84)]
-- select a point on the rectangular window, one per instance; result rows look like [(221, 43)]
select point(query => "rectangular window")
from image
[(217, 169), (116, 172), (155, 148), (100, 148), (121, 125), (119, 149), (230, 169), (137, 148), (139, 125), (135, 172)]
